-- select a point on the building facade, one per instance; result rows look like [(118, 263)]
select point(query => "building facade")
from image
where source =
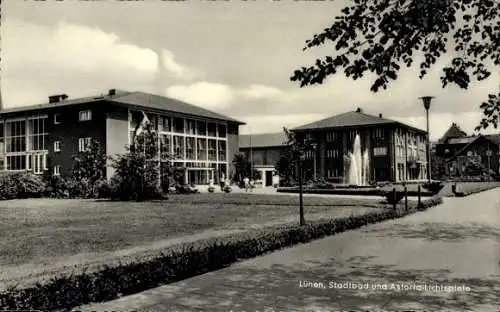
[(45, 137), (263, 151), (394, 151), (461, 150)]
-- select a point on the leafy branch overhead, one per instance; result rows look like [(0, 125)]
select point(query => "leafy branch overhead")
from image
[(380, 36)]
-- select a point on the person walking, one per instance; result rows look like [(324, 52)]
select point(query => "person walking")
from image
[(251, 185), (246, 182), (222, 181)]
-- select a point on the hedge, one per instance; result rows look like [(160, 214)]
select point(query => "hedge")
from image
[(65, 292)]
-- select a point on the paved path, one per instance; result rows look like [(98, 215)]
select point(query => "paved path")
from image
[(454, 244)]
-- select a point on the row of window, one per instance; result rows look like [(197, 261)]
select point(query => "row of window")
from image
[(332, 173), (83, 143), (332, 153), (85, 115), (179, 125)]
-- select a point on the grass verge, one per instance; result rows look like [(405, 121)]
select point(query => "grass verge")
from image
[(63, 293)]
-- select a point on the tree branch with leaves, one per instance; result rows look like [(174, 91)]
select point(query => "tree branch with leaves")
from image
[(379, 36)]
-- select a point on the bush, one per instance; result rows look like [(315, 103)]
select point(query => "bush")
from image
[(393, 197), (433, 187), (21, 185), (227, 189), (181, 262), (57, 187), (211, 189)]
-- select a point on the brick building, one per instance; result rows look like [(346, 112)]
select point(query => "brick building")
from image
[(396, 151), (46, 136)]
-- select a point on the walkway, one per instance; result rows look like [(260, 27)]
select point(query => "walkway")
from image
[(453, 245)]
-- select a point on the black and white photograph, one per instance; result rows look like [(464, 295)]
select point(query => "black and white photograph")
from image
[(250, 156)]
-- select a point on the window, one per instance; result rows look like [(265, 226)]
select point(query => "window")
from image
[(178, 147), (57, 119), (201, 128), (212, 150), (222, 150), (221, 130), (190, 145), (165, 145), (57, 170), (190, 126), (16, 162), (330, 136), (2, 142), (212, 130), (16, 136), (379, 133), (37, 163), (85, 115), (37, 134), (379, 151), (202, 151), (83, 144), (57, 146), (165, 124), (178, 125)]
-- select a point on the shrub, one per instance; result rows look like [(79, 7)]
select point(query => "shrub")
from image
[(393, 197), (211, 189), (21, 185), (181, 262), (227, 189), (433, 187)]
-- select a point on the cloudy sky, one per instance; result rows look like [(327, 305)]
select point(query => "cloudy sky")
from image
[(231, 57)]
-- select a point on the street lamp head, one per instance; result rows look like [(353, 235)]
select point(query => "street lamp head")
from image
[(427, 101)]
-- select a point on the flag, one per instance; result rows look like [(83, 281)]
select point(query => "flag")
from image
[(145, 121)]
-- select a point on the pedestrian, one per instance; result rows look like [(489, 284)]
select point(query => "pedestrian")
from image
[(246, 182), (222, 181), (251, 185)]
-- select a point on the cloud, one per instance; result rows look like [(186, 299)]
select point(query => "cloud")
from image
[(258, 91), (206, 94), (69, 58), (275, 123), (176, 69)]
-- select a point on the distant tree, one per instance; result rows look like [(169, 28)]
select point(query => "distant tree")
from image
[(89, 170), (438, 167), (379, 36), (137, 171), (290, 156), (243, 168)]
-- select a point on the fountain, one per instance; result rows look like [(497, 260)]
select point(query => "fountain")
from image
[(357, 173)]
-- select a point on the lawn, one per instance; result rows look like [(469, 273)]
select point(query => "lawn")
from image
[(466, 187), (41, 233)]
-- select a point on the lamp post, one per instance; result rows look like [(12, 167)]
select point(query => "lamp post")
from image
[(427, 104), (314, 145), (301, 204)]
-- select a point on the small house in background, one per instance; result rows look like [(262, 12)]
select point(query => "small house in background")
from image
[(462, 151), (263, 151)]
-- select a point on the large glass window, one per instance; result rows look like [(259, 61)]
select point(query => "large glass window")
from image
[(222, 150), (179, 125), (16, 136), (178, 147), (201, 128), (2, 142), (190, 126), (165, 144), (212, 129), (222, 130), (212, 149), (190, 148), (165, 124), (16, 162), (38, 136), (202, 149)]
